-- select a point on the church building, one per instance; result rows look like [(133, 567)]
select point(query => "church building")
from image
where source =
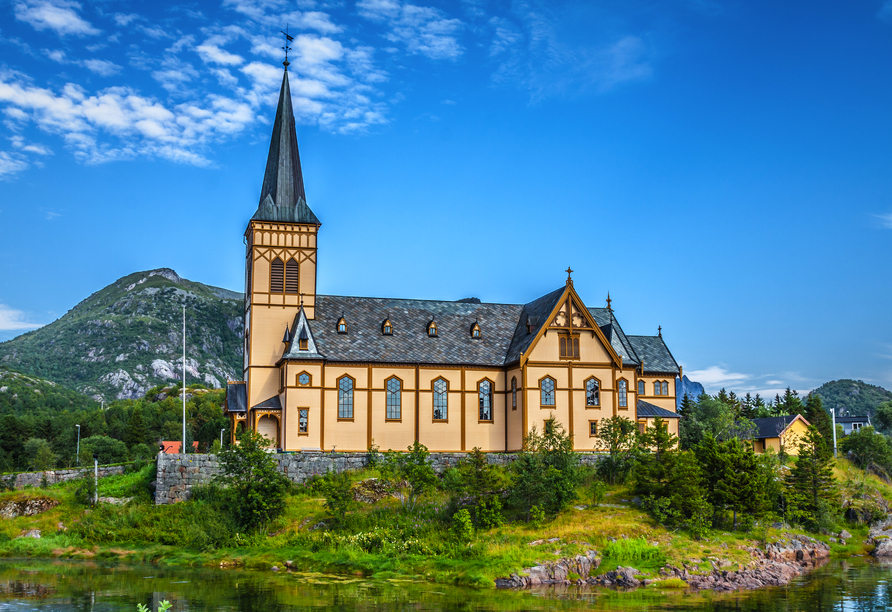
[(326, 372)]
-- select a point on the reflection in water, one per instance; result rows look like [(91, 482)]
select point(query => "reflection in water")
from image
[(858, 585)]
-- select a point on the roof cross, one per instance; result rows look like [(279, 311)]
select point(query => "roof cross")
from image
[(608, 301), (286, 48), (569, 271), (660, 330)]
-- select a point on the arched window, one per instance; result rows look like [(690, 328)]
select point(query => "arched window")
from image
[(342, 325), (656, 387), (622, 389), (484, 392), (569, 347), (513, 393), (394, 399), (345, 397), (432, 329), (475, 330), (291, 271), (277, 276), (592, 392), (665, 388), (547, 391), (387, 328), (441, 400), (640, 387)]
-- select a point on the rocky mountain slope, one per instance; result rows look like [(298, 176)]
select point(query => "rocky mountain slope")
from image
[(23, 394), (686, 386), (856, 397), (127, 338)]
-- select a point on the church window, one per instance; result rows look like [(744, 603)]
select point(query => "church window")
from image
[(441, 401), (387, 328), (569, 346), (342, 326), (484, 391), (303, 344), (277, 276), (547, 391), (593, 429), (291, 269), (394, 399), (592, 392), (623, 394), (665, 388), (345, 397), (303, 421), (513, 393), (641, 387), (475, 330), (432, 329), (656, 387), (303, 379)]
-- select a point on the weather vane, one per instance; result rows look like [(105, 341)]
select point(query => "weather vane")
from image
[(288, 39)]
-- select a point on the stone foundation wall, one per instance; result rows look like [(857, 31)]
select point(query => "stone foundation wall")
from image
[(177, 473), (35, 479)]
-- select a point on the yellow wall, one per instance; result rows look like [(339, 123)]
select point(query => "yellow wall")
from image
[(790, 438)]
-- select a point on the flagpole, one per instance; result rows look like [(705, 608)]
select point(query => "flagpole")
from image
[(184, 379)]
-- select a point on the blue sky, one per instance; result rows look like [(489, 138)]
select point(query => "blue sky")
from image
[(721, 168)]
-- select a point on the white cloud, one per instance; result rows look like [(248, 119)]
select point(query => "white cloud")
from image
[(121, 19), (14, 320), (716, 376), (275, 13), (423, 30), (885, 220), (215, 55), (57, 15), (101, 67), (10, 165)]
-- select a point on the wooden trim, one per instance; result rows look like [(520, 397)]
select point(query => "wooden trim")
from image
[(386, 391), (307, 432), (463, 418), (369, 408), (555, 390), (417, 408), (590, 434), (492, 401), (570, 394), (434, 399), (309, 385), (321, 412), (585, 391), (353, 400), (523, 384)]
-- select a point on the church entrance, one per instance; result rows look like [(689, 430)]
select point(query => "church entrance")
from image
[(268, 427)]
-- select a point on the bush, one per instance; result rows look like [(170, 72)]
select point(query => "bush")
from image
[(546, 472), (108, 449), (410, 473), (338, 496), (462, 525)]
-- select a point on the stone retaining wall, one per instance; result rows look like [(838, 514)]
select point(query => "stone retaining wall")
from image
[(178, 473), (35, 479)]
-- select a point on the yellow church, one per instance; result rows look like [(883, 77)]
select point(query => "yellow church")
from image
[(326, 372)]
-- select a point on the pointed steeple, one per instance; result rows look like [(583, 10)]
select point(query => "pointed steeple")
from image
[(282, 197)]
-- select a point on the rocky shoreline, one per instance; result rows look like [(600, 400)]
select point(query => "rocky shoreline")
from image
[(775, 565)]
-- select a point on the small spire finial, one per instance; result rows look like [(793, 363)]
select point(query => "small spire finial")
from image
[(608, 301), (569, 271), (286, 48), (301, 298), (660, 330)]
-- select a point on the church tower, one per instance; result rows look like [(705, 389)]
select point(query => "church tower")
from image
[(280, 258)]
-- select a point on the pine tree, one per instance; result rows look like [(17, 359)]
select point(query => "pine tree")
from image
[(652, 470), (810, 484), (815, 414), (137, 433)]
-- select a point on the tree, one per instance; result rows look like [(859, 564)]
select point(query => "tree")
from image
[(815, 414), (716, 417), (40, 454), (410, 473), (731, 475), (652, 468), (869, 450), (616, 435), (136, 429), (547, 471), (882, 416), (255, 488), (810, 483), (479, 485), (108, 450)]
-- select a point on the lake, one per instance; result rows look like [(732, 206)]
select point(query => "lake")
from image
[(26, 584)]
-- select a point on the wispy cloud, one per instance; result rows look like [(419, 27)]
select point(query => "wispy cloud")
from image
[(101, 67), (14, 320), (59, 16), (423, 30), (716, 376), (885, 220), (11, 164)]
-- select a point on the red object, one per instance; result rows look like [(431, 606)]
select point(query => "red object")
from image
[(173, 448)]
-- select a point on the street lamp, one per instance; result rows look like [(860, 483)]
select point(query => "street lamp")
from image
[(221, 438), (78, 454)]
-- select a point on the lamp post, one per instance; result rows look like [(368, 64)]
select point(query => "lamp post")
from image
[(184, 378), (77, 455), (96, 477), (221, 438)]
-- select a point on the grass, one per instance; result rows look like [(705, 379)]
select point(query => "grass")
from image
[(381, 540)]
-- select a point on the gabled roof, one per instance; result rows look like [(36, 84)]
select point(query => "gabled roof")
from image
[(612, 330), (532, 318), (282, 196), (648, 410), (653, 354), (774, 427), (301, 330), (236, 396)]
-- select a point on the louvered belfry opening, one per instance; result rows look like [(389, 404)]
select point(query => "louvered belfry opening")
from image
[(291, 270), (277, 276)]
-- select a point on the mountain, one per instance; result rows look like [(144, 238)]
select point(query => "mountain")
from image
[(127, 338), (22, 394), (685, 386), (854, 396)]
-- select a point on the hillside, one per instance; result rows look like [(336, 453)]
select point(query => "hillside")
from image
[(855, 396), (22, 393), (127, 338)]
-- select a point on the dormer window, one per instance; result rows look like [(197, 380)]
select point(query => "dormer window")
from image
[(432, 329), (387, 328), (303, 344), (342, 326), (475, 330)]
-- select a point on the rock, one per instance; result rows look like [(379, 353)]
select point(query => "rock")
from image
[(61, 527), (555, 572), (845, 535), (289, 564), (580, 507), (28, 507), (832, 540), (647, 582), (842, 542), (883, 549), (275, 568), (536, 542), (31, 533)]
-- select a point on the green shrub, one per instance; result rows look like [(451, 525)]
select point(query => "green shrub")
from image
[(537, 516), (462, 525), (634, 550)]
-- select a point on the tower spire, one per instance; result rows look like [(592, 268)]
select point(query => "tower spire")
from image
[(282, 196)]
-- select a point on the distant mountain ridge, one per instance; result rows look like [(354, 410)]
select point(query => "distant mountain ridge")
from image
[(856, 397), (686, 386), (127, 338)]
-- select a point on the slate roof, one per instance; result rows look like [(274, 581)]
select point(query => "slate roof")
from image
[(611, 328), (648, 410), (282, 195), (273, 403), (654, 354), (236, 397), (533, 314), (853, 419), (773, 427)]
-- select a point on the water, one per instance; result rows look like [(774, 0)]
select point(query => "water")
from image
[(858, 585)]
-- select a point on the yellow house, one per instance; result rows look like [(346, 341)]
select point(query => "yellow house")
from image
[(325, 372), (780, 432)]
